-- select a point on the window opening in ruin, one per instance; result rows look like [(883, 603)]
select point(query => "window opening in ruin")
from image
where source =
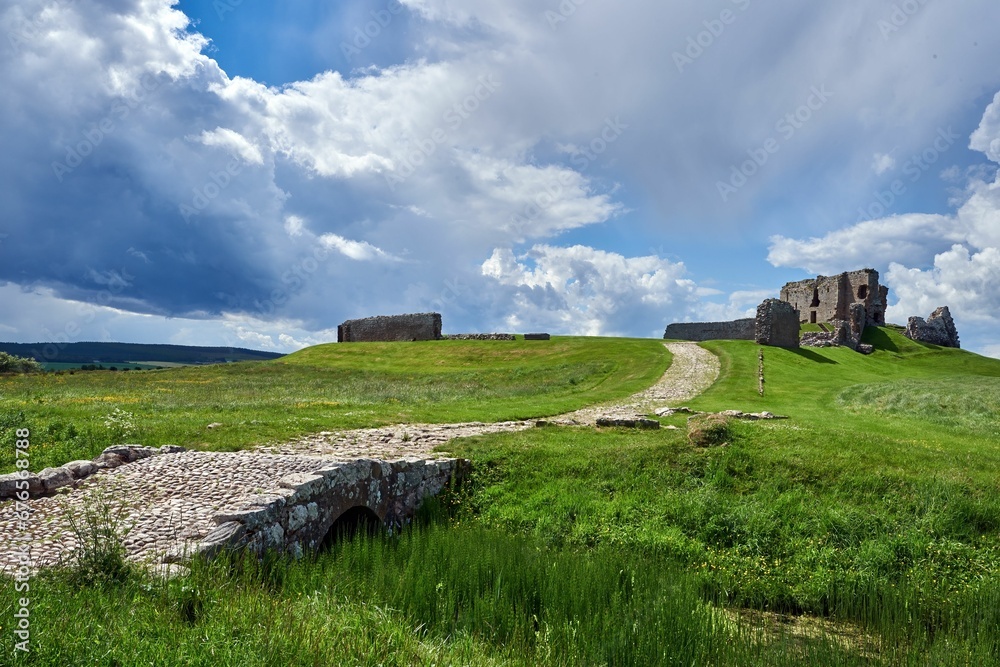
[(863, 291), (815, 301), (812, 317)]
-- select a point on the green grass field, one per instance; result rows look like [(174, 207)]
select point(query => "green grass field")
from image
[(319, 388), (863, 530)]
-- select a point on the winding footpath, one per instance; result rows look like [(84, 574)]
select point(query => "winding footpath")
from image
[(168, 500)]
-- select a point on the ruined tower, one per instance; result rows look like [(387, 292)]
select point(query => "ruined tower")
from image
[(828, 298)]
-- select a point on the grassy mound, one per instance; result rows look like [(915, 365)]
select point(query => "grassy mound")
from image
[(953, 402), (806, 383), (319, 388), (876, 504), (864, 530)]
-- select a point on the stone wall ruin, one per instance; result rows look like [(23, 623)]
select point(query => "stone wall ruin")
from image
[(480, 336), (842, 333), (829, 298), (745, 329), (777, 324), (389, 329), (938, 329)]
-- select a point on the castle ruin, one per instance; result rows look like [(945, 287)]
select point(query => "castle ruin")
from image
[(776, 324), (387, 329), (829, 298), (938, 329), (701, 331)]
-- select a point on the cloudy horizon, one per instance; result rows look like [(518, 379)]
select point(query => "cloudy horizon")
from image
[(224, 173)]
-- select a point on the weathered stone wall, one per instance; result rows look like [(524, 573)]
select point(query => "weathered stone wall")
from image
[(698, 331), (829, 298), (777, 324), (392, 328), (938, 329), (537, 336), (843, 333), (480, 336), (298, 517)]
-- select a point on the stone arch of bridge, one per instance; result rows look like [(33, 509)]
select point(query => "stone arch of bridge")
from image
[(353, 521)]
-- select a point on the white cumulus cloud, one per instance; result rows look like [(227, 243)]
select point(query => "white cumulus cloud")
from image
[(912, 238), (234, 142), (361, 251), (882, 163), (585, 291)]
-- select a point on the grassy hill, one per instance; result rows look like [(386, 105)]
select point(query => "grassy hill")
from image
[(863, 530), (320, 388), (876, 504)]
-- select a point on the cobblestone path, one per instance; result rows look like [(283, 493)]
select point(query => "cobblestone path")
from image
[(169, 499)]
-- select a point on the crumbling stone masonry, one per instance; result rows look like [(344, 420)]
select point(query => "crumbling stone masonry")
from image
[(388, 329), (842, 333), (829, 298), (300, 515), (777, 324), (480, 336), (701, 331), (938, 329)]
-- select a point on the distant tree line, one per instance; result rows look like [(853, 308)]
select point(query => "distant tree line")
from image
[(119, 353)]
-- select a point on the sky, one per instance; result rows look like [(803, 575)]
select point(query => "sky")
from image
[(230, 172)]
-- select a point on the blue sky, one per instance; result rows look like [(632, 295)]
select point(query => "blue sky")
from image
[(245, 173)]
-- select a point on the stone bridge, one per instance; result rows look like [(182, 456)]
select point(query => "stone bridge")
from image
[(308, 508), (171, 504)]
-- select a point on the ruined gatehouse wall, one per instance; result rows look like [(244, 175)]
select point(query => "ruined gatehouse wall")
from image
[(700, 331), (393, 328), (777, 324)]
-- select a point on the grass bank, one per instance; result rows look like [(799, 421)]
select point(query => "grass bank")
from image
[(432, 596), (877, 503), (319, 388), (864, 530)]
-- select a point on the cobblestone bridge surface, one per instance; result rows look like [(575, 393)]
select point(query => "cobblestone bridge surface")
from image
[(169, 503)]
